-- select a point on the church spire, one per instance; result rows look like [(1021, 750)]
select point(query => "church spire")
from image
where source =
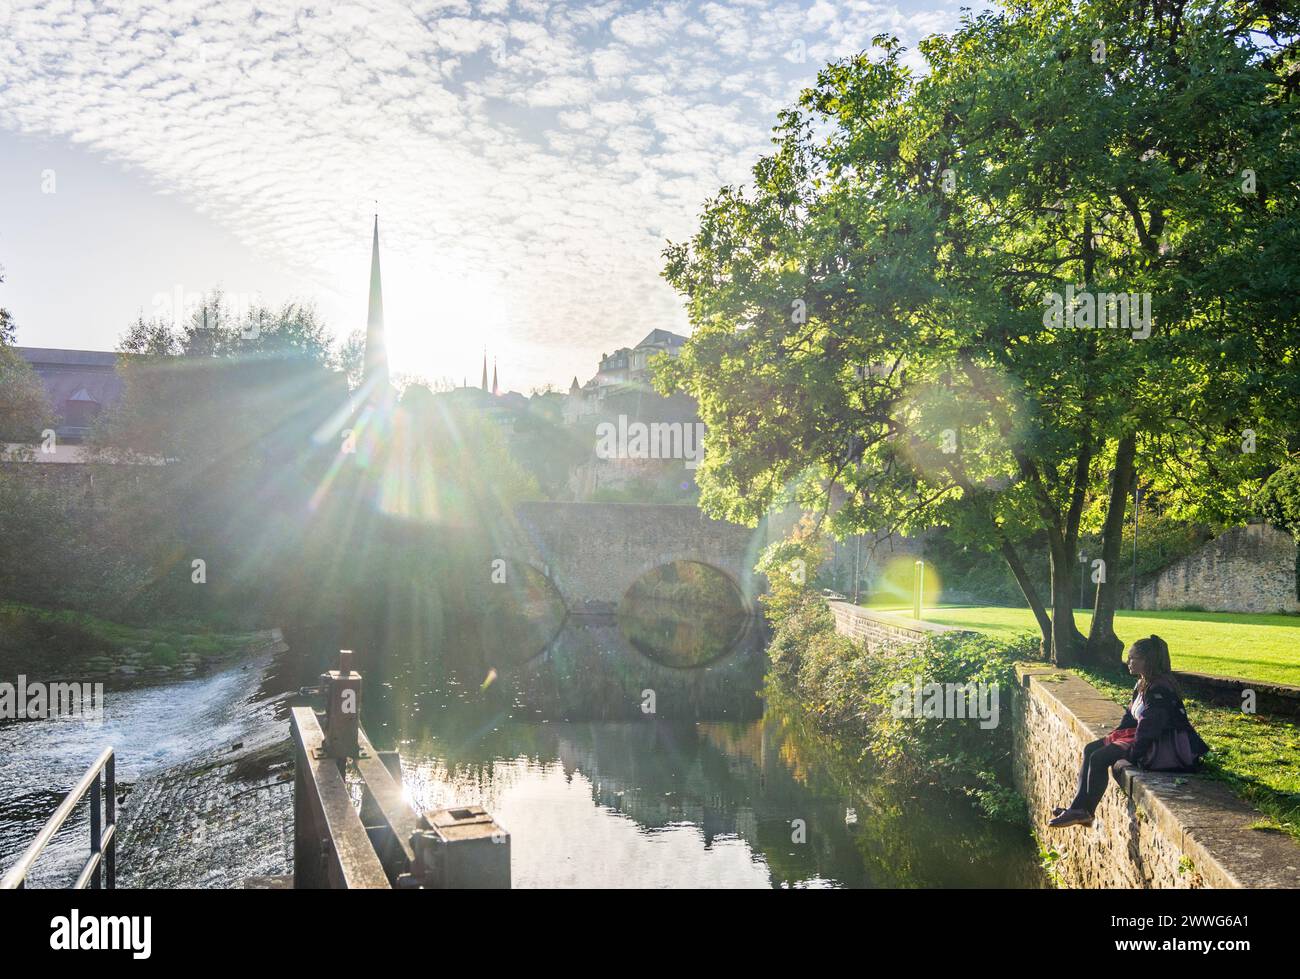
[(485, 369), (494, 376), (376, 349)]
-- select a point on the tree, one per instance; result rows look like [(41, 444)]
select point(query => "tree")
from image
[(888, 313), (24, 409), (246, 413), (1280, 506)]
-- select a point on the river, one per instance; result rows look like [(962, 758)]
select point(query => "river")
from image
[(617, 753), (611, 765)]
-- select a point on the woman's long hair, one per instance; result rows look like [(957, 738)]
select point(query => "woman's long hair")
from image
[(1155, 658)]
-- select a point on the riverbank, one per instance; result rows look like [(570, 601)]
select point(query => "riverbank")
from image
[(58, 644), (895, 694), (1156, 830)]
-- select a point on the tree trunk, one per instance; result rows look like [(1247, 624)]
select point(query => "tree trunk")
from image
[(1031, 595), (1104, 647), (1065, 637)]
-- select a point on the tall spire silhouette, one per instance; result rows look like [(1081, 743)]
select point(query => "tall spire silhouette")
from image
[(485, 369), (494, 376), (376, 364)]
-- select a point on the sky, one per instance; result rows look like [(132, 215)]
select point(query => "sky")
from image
[(528, 160)]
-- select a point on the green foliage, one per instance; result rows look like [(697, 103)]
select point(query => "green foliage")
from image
[(41, 640), (665, 490), (851, 692), (163, 654), (1049, 858), (1279, 504), (24, 410), (971, 573), (869, 313)]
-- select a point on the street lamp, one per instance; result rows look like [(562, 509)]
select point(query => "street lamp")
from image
[(1083, 574), (1137, 499)]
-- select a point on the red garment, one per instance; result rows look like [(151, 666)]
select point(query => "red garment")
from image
[(1122, 736)]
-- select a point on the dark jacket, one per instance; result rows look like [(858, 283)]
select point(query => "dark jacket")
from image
[(1163, 717)]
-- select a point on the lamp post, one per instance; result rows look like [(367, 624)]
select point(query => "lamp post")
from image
[(1137, 499), (857, 569), (1083, 575)]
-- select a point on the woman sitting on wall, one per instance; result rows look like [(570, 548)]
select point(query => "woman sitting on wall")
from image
[(1155, 733)]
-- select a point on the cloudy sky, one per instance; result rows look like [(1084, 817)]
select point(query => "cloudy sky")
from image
[(529, 159)]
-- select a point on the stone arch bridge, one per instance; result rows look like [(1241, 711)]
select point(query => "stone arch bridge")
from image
[(594, 552)]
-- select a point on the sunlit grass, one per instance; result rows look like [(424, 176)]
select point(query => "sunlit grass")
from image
[(1257, 647)]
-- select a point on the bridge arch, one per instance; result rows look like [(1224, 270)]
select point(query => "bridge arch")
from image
[(594, 552), (748, 602)]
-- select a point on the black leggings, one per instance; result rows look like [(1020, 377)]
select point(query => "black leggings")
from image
[(1097, 759)]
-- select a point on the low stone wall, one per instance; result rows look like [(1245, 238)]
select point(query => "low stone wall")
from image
[(881, 632), (1231, 691), (1246, 569), (1153, 830)]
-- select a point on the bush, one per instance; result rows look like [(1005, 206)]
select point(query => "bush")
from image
[(851, 693), (163, 654)]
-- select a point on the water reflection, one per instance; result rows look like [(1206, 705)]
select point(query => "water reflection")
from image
[(684, 614), (708, 789)]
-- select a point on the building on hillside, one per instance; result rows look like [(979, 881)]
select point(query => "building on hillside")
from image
[(626, 369), (620, 398), (79, 384), (631, 365)]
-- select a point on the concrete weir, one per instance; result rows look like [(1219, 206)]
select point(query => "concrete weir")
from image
[(222, 817)]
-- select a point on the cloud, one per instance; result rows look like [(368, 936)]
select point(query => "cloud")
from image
[(544, 147)]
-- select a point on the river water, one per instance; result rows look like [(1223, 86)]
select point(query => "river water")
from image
[(643, 753), (151, 728), (611, 765)]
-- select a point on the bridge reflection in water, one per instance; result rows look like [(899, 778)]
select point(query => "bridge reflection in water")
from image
[(709, 789)]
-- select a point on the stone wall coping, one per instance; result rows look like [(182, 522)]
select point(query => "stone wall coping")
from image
[(895, 620), (1238, 683), (1202, 816)]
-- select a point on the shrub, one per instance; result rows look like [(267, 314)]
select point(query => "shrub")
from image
[(163, 654), (851, 693)]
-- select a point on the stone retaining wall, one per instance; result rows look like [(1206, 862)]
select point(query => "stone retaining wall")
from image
[(1230, 691), (882, 631), (1152, 829), (1246, 569), (1156, 829)]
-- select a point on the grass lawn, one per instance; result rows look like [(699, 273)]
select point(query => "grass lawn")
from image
[(1257, 647)]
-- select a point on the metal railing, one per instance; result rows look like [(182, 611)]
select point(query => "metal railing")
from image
[(100, 871)]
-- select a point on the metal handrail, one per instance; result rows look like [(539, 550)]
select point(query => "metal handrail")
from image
[(103, 844)]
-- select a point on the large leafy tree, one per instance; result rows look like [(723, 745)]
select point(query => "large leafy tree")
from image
[(239, 409), (24, 409), (873, 319)]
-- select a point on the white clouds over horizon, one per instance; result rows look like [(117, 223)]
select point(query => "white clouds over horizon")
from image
[(530, 158)]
